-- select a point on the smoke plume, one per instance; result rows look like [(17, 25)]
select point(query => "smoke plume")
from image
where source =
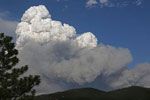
[(61, 56)]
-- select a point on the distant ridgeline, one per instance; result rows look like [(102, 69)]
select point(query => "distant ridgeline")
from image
[(130, 93)]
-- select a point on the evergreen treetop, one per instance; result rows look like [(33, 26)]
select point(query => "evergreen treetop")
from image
[(13, 85)]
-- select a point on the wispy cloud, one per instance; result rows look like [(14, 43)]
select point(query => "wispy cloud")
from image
[(106, 3), (91, 3), (4, 14), (6, 26), (61, 0), (113, 3), (138, 2)]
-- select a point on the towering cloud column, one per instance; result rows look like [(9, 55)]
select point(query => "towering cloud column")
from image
[(61, 56)]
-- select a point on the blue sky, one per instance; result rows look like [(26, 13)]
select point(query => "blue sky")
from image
[(120, 26)]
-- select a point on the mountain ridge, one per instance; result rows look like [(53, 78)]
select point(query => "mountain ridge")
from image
[(129, 93)]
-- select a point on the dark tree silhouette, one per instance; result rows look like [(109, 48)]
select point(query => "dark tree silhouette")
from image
[(13, 85)]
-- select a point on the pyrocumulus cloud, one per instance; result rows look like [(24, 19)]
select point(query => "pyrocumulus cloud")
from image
[(56, 52)]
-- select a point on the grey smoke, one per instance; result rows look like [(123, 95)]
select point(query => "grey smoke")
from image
[(65, 59)]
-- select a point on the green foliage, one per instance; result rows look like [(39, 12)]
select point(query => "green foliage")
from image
[(13, 86)]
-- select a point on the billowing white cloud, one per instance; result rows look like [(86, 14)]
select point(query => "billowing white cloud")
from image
[(61, 56)]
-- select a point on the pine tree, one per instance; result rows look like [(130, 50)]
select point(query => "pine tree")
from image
[(13, 85)]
